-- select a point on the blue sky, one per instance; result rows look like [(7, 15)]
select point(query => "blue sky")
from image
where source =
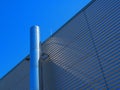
[(16, 18)]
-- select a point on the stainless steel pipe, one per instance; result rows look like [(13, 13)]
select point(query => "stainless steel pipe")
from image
[(34, 57)]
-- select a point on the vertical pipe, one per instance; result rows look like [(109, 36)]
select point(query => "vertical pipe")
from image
[(34, 58)]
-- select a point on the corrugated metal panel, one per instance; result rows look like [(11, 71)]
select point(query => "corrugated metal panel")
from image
[(104, 24), (85, 53), (74, 59), (17, 79)]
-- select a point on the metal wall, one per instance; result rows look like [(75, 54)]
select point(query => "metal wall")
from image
[(18, 78), (85, 53)]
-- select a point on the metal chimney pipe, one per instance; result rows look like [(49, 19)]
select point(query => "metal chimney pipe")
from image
[(34, 57)]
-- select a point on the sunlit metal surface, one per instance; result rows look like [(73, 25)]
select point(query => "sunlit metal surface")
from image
[(84, 54), (34, 58)]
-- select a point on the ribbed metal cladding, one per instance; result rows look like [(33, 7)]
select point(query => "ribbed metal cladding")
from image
[(104, 25), (85, 53)]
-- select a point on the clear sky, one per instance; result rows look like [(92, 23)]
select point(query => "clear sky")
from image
[(16, 18)]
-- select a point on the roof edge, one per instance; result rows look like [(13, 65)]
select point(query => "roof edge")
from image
[(84, 8), (27, 57)]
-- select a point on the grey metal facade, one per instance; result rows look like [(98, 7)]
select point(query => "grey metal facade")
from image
[(18, 78), (84, 54)]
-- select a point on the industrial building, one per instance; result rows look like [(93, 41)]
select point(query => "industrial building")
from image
[(84, 54)]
